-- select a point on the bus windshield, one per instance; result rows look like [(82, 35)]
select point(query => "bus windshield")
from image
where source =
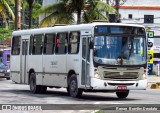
[(120, 49)]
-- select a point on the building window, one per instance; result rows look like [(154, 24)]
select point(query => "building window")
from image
[(130, 16), (148, 18)]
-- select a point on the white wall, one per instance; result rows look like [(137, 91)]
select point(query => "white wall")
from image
[(142, 2)]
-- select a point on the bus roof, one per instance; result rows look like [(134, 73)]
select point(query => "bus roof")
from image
[(76, 27)]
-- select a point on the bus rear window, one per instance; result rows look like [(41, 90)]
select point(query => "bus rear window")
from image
[(16, 43)]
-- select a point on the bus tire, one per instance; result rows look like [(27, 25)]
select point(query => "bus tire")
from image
[(8, 78), (123, 94), (74, 91), (33, 87)]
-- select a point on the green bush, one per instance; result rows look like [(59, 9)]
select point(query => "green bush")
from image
[(5, 33)]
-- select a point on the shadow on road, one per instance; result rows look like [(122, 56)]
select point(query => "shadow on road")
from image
[(52, 93), (3, 79)]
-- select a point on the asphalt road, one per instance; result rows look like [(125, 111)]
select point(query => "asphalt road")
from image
[(11, 93)]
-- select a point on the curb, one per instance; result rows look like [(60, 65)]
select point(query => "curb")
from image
[(155, 86)]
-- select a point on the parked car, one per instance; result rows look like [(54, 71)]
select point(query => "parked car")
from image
[(4, 71)]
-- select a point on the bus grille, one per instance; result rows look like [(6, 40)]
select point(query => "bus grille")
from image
[(116, 84), (117, 75)]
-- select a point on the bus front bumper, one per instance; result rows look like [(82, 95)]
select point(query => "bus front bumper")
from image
[(98, 84)]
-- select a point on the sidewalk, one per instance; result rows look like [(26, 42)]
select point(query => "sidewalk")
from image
[(152, 79)]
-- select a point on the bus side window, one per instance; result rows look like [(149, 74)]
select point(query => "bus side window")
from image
[(31, 44), (74, 38), (61, 43), (49, 43), (37, 44), (16, 43)]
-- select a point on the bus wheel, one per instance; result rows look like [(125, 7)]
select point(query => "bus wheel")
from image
[(8, 78), (123, 94), (33, 87), (74, 91)]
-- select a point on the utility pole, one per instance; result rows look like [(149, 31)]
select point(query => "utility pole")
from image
[(117, 5)]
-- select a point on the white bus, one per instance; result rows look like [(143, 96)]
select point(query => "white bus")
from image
[(94, 57)]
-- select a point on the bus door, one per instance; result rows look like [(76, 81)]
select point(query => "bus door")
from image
[(24, 60), (85, 78)]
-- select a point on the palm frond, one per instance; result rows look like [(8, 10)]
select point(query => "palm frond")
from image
[(98, 11), (50, 9), (48, 21), (6, 8), (57, 18)]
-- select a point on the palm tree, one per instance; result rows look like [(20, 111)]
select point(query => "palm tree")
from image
[(56, 13), (63, 11), (6, 11), (17, 14), (97, 10), (30, 3)]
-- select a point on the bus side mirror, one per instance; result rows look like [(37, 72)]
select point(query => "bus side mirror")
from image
[(91, 45)]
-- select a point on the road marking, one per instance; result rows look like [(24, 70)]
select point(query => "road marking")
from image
[(108, 103), (96, 103), (94, 111)]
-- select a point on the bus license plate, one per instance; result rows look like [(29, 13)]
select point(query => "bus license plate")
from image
[(122, 87)]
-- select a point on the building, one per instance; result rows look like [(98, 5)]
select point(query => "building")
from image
[(145, 12)]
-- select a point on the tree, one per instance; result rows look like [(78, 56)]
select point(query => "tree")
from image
[(6, 12), (56, 13), (30, 3), (5, 33), (63, 11), (27, 17), (17, 14), (97, 10)]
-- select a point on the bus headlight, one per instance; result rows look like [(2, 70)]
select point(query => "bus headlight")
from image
[(144, 76), (96, 74), (8, 70)]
